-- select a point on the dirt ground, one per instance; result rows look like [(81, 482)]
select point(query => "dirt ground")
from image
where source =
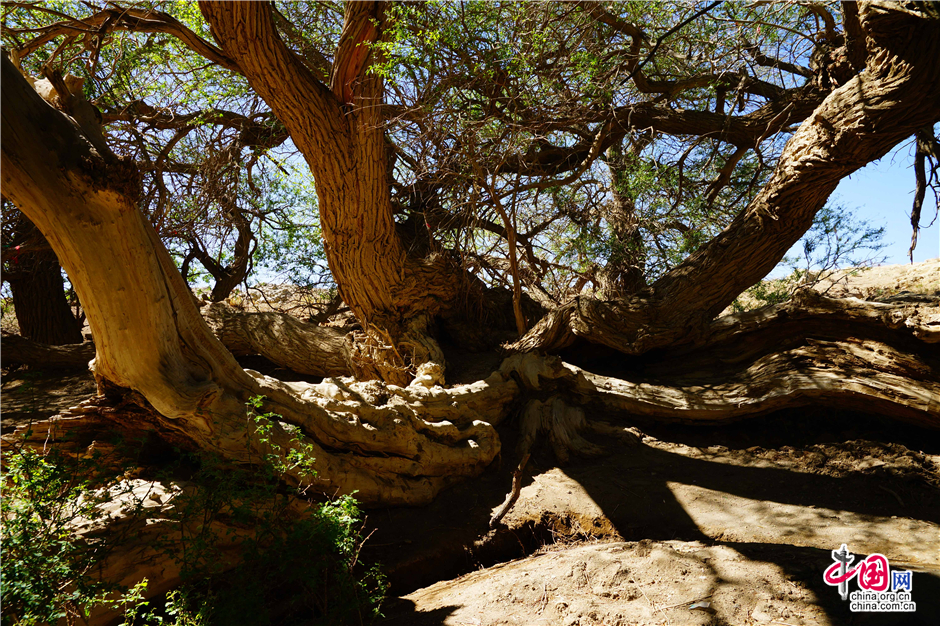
[(743, 517), (884, 280), (690, 525)]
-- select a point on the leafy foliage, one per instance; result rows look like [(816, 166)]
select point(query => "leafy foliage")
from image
[(475, 93), (47, 572), (294, 564), (836, 240)]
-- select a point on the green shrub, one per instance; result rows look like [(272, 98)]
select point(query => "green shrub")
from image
[(293, 568), (306, 570), (45, 567)]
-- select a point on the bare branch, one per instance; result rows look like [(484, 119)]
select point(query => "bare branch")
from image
[(131, 20)]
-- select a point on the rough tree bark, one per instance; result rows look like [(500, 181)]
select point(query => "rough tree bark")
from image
[(159, 362), (303, 347), (624, 273), (153, 345), (18, 349), (299, 346), (339, 129)]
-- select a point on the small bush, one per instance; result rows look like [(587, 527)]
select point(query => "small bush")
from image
[(293, 568), (307, 571), (45, 567)]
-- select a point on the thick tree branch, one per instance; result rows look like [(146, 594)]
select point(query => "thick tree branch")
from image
[(741, 131), (762, 59), (360, 30), (298, 346), (259, 130), (152, 343), (854, 37), (17, 349), (343, 142), (859, 122)]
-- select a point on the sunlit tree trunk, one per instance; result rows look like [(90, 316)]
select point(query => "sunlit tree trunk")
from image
[(153, 345), (396, 444), (339, 129)]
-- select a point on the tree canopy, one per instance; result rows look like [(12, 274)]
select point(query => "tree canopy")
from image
[(686, 105)]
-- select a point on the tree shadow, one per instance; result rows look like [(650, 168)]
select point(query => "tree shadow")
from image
[(645, 491), (638, 491), (403, 611), (806, 564)]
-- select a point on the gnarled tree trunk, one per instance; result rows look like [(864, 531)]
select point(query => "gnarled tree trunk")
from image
[(396, 444), (299, 346), (339, 129), (151, 341)]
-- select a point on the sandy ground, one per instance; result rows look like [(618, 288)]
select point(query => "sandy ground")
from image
[(743, 517), (695, 525), (884, 281)]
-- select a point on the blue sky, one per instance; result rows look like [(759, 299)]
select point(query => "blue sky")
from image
[(883, 193)]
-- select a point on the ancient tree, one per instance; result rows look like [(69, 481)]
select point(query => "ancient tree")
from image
[(447, 177)]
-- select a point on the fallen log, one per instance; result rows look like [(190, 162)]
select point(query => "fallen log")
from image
[(22, 351)]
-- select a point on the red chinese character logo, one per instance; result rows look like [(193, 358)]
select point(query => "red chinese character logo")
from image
[(873, 573)]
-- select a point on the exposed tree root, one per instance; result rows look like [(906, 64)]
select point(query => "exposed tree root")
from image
[(562, 424), (513, 495), (874, 357), (403, 444), (376, 354)]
